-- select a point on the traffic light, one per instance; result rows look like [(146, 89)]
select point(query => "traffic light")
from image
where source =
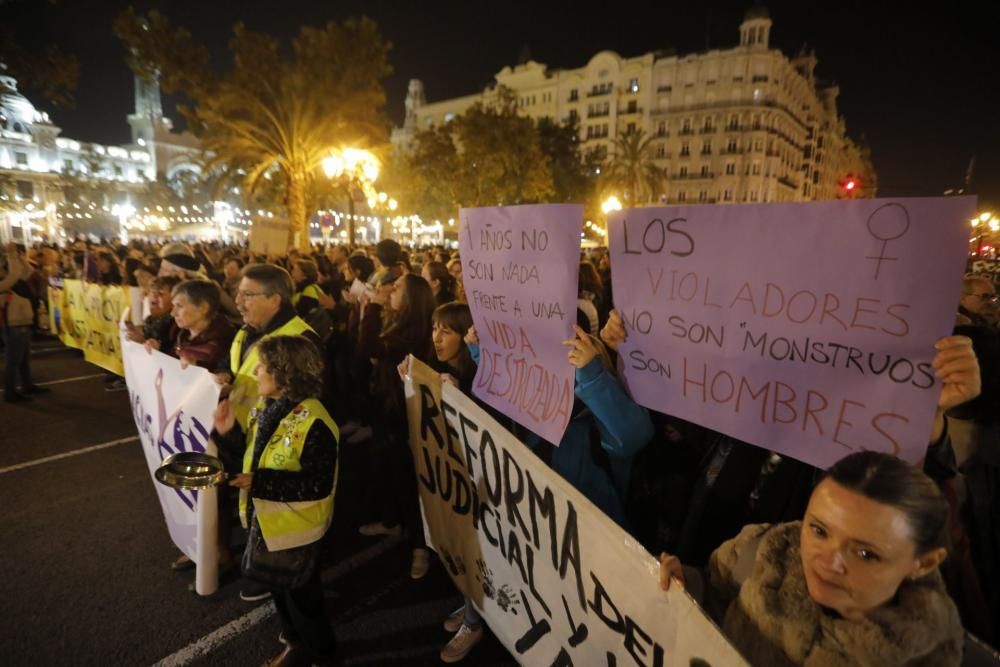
[(850, 186)]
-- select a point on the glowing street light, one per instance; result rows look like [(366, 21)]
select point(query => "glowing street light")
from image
[(358, 168), (611, 204), (124, 212)]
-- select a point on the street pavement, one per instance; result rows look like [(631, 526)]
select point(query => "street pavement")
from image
[(84, 566)]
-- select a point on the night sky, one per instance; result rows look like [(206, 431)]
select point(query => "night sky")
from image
[(916, 84)]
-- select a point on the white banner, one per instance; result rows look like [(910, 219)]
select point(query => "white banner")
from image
[(172, 408), (558, 582)]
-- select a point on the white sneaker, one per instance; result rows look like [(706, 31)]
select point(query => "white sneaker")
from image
[(373, 529), (420, 564), (461, 644), (453, 623)]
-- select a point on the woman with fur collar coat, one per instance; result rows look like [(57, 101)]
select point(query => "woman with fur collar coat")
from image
[(854, 583)]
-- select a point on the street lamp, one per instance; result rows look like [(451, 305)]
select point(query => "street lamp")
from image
[(357, 168), (124, 212), (611, 204)]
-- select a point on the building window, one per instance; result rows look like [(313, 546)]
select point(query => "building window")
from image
[(684, 172), (753, 195), (118, 170), (756, 122), (732, 146), (755, 169), (734, 122), (702, 196), (632, 106), (21, 159), (25, 189), (730, 169), (708, 124), (590, 131), (631, 128), (661, 129), (686, 129), (704, 171), (685, 149), (727, 195), (682, 196), (706, 148), (661, 151), (758, 146), (572, 116), (633, 85), (67, 165), (573, 95)]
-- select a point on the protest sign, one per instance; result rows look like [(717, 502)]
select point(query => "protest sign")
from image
[(520, 267), (172, 408), (807, 329), (86, 317), (269, 237), (558, 582)]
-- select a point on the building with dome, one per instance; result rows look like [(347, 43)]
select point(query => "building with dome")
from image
[(38, 166), (740, 124)]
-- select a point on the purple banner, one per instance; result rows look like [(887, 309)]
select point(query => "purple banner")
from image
[(520, 266), (807, 329)]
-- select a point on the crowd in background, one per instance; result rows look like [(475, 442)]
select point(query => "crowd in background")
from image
[(677, 487)]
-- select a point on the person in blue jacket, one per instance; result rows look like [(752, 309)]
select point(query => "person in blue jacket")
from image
[(606, 430)]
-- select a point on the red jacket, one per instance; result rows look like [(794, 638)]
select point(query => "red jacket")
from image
[(208, 348)]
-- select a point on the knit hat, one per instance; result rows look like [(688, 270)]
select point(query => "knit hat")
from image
[(182, 263)]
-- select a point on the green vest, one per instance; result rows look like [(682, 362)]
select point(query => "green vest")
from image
[(288, 524), (309, 290), (244, 392)]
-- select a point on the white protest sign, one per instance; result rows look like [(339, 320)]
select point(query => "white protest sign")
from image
[(268, 237), (173, 408), (558, 582)]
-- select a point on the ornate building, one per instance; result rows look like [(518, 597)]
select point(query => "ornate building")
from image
[(743, 124), (38, 167)]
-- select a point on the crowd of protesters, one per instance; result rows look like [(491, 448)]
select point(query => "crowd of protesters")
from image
[(872, 562)]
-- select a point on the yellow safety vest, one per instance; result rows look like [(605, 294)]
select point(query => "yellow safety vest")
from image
[(288, 524), (244, 393), (309, 290)]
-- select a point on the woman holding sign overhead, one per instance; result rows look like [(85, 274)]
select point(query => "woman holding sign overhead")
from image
[(856, 582)]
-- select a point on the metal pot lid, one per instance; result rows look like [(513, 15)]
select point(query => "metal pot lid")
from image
[(190, 470)]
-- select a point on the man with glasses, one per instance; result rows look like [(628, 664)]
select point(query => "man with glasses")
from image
[(979, 301), (264, 300)]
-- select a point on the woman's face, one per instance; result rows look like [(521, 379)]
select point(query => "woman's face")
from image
[(266, 386), (856, 551), (187, 315), (159, 302), (398, 296), (435, 284), (447, 343), (297, 274), (232, 270), (455, 270)]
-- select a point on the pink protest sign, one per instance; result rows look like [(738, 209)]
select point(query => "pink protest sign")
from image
[(807, 329), (520, 266)]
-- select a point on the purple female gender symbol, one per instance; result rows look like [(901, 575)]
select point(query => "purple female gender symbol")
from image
[(887, 223)]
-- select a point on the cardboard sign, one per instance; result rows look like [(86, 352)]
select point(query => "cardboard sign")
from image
[(269, 237), (520, 267), (807, 329), (558, 582)]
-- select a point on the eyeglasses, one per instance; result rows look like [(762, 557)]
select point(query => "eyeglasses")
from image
[(241, 295)]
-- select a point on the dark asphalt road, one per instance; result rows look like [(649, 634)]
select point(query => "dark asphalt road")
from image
[(84, 566)]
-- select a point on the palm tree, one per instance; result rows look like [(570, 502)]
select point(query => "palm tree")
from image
[(633, 169), (268, 122)]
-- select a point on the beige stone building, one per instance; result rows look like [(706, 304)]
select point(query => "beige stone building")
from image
[(743, 124)]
